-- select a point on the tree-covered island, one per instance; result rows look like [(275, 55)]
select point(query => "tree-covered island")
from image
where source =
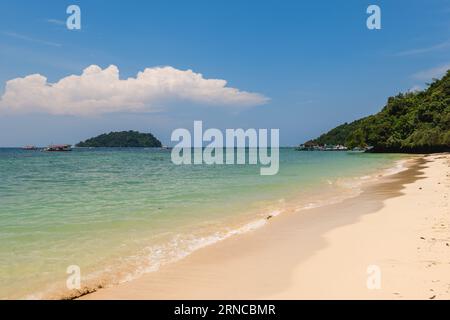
[(123, 139)]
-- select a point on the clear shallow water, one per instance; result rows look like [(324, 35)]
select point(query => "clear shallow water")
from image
[(119, 213)]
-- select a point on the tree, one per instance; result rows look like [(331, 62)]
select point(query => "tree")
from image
[(409, 122)]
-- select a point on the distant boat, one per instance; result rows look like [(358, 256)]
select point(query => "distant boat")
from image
[(325, 147), (59, 147), (29, 148), (362, 149)]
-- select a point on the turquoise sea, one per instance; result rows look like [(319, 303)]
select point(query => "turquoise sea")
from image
[(118, 213)]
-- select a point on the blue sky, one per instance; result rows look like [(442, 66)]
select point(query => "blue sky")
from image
[(315, 60)]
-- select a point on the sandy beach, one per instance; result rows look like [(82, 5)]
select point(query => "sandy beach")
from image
[(390, 242)]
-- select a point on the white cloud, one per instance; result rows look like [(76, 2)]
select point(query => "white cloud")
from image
[(56, 22), (415, 88), (98, 91), (29, 39), (429, 74), (417, 51)]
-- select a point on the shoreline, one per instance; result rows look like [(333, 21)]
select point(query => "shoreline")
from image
[(306, 254), (332, 190)]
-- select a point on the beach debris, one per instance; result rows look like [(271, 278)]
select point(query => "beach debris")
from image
[(432, 297), (269, 217), (81, 292), (420, 188), (422, 238)]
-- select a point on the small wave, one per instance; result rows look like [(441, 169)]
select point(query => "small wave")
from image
[(353, 186), (400, 166), (151, 259)]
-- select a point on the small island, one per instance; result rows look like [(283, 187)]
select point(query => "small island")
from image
[(123, 139)]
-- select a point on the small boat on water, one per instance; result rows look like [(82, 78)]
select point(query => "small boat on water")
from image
[(59, 147), (325, 147), (30, 148)]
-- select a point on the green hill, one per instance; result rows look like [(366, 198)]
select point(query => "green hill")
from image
[(123, 139), (417, 122)]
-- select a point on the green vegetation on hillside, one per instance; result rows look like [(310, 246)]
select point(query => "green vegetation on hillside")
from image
[(124, 139), (410, 122)]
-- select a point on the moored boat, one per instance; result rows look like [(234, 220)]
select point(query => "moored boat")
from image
[(29, 148), (325, 147), (59, 147)]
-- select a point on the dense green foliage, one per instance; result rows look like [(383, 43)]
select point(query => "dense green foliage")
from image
[(123, 139), (410, 122)]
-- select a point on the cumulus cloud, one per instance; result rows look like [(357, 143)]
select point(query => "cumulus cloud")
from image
[(98, 91)]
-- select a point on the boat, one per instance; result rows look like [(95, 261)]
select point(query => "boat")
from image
[(30, 148), (59, 147), (325, 147)]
